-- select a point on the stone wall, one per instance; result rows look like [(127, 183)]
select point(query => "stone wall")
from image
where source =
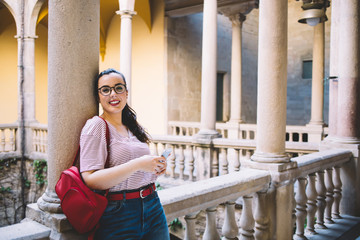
[(11, 206), (184, 46)]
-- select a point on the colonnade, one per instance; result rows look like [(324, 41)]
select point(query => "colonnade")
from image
[(69, 61)]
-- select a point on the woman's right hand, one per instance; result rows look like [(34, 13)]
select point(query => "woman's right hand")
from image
[(153, 164)]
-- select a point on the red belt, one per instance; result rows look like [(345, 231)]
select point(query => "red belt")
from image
[(131, 195)]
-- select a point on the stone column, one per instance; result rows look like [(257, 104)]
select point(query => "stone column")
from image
[(236, 78), (236, 68), (271, 113), (348, 121), (315, 126), (334, 73), (28, 64), (317, 87), (26, 87), (272, 80), (73, 64), (209, 69), (126, 12), (348, 117), (203, 139)]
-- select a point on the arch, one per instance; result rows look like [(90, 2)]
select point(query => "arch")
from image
[(31, 22), (43, 12), (108, 9), (10, 6), (142, 7)]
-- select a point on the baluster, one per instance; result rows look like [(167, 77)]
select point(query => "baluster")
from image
[(224, 161), (187, 131), (300, 199), (211, 232), (291, 137), (248, 135), (191, 163), (34, 138), (230, 229), (181, 159), (247, 221), (172, 162), (260, 216), (45, 141), (337, 193), (321, 190), (174, 130), (2, 140), (156, 152), (215, 163), (42, 148), (190, 231), (329, 195), (236, 163), (311, 204), (247, 154), (12, 139)]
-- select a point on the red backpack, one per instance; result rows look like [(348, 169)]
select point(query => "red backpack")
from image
[(81, 205)]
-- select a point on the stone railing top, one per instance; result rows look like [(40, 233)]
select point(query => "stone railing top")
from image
[(189, 198), (233, 143), (32, 125), (172, 139), (9, 125), (303, 146), (312, 163), (39, 126), (227, 142)]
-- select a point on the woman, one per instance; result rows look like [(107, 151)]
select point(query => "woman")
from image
[(134, 210)]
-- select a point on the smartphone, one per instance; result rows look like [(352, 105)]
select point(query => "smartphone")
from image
[(166, 153)]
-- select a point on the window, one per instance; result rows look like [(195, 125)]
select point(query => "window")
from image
[(307, 69)]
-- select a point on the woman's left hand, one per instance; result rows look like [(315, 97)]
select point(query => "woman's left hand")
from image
[(161, 169)]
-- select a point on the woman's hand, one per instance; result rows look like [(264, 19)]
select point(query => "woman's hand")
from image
[(153, 164)]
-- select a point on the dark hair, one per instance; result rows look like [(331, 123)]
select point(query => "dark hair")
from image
[(128, 114)]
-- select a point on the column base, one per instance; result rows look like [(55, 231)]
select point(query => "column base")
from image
[(315, 123), (335, 142), (315, 131), (269, 157), (205, 136), (346, 140), (55, 221), (49, 202), (276, 167), (233, 127)]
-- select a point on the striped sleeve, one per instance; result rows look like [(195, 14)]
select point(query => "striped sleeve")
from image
[(93, 152)]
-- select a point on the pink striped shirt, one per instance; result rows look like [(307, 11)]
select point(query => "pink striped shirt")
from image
[(93, 152)]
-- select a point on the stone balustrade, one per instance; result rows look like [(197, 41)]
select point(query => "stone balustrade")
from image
[(317, 193), (187, 200), (8, 140), (229, 153), (248, 131), (39, 141)]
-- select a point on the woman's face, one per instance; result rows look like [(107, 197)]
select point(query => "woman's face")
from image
[(113, 102)]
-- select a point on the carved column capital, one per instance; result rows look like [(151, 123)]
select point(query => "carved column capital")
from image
[(126, 13), (237, 19)]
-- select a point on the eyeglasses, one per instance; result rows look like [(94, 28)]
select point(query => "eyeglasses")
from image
[(118, 88)]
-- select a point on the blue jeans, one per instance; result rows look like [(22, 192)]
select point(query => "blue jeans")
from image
[(134, 219)]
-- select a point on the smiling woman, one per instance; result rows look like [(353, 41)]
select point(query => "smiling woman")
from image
[(131, 171)]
